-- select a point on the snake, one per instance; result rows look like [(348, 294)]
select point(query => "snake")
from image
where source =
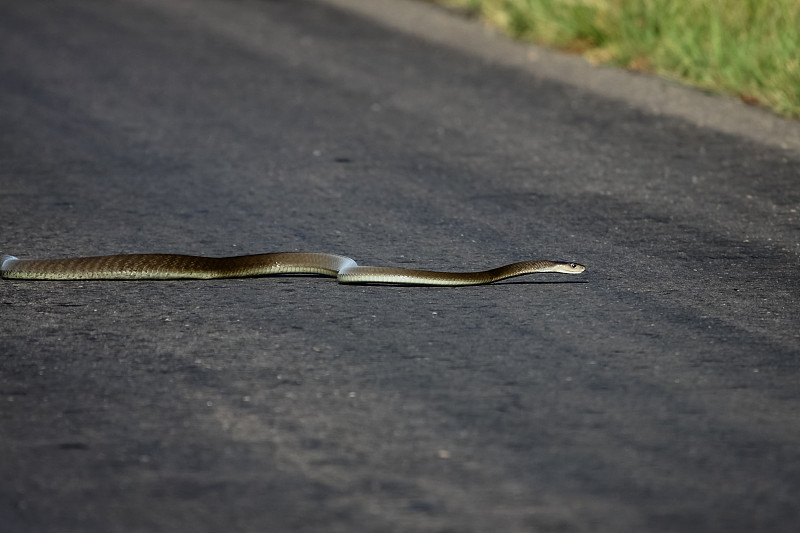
[(177, 266)]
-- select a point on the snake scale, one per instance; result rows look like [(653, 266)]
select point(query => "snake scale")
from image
[(175, 266)]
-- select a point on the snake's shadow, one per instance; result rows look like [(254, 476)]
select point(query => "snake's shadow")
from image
[(384, 284), (504, 282), (532, 282)]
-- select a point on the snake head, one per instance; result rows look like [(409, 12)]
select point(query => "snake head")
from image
[(568, 268)]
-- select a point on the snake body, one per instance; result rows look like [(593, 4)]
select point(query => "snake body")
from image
[(174, 266)]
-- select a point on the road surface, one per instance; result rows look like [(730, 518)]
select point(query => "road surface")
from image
[(657, 392)]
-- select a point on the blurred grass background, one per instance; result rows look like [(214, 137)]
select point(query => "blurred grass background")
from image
[(747, 48)]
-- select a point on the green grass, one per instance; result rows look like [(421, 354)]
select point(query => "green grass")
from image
[(748, 48)]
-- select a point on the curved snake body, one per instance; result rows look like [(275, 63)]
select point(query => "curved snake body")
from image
[(174, 266)]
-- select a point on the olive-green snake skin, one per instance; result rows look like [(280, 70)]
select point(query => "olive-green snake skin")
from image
[(173, 266)]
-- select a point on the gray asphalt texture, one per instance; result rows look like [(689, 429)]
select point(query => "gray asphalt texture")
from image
[(658, 392)]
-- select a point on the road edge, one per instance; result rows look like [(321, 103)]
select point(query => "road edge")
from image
[(647, 93)]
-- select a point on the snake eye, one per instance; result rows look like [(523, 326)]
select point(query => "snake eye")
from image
[(573, 265)]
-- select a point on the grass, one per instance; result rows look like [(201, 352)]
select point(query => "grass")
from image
[(748, 48)]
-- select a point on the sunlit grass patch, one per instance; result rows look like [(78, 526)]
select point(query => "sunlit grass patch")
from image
[(749, 48)]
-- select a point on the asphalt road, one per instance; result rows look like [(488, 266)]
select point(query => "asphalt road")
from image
[(659, 392)]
